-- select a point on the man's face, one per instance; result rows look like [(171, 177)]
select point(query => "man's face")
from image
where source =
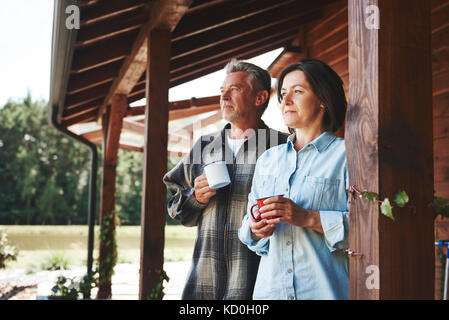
[(237, 98)]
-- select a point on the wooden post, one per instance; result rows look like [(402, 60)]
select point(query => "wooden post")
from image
[(112, 127), (155, 162), (389, 143)]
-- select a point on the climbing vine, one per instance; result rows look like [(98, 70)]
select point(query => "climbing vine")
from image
[(158, 291), (401, 199), (107, 238)]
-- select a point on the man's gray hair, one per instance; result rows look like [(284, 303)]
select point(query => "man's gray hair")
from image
[(259, 78)]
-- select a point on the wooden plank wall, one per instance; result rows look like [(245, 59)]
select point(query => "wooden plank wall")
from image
[(440, 70), (327, 40)]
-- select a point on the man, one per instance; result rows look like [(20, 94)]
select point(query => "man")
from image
[(222, 267)]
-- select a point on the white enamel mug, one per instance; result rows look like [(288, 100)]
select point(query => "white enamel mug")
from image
[(217, 174)]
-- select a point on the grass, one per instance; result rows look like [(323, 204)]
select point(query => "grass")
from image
[(40, 246)]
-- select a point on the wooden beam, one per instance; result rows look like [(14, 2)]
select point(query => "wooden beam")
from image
[(134, 127), (183, 108), (115, 124), (389, 145), (185, 113), (164, 14), (155, 162), (186, 133)]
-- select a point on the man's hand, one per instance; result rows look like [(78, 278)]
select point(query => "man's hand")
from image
[(202, 192)]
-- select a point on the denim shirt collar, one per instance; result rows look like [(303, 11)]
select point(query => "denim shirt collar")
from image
[(321, 143)]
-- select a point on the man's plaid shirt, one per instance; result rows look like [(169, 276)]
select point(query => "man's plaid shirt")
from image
[(222, 267)]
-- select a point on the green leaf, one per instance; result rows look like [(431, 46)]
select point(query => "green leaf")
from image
[(370, 196), (387, 209), (401, 198), (440, 201)]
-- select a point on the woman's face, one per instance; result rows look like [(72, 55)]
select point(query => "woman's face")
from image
[(300, 107)]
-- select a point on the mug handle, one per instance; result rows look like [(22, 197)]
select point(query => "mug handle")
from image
[(252, 214)]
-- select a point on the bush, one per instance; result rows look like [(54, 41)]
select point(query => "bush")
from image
[(7, 251), (57, 261)]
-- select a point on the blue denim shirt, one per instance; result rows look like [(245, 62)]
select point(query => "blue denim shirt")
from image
[(296, 262)]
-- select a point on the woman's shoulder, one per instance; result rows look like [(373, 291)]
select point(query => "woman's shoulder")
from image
[(273, 152), (338, 145)]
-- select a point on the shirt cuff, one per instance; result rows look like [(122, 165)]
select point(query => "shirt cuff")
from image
[(260, 246), (191, 203), (333, 226)]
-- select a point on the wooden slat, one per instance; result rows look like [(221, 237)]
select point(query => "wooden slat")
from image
[(441, 170), (440, 19), (224, 48), (440, 40), (85, 117), (103, 52), (217, 64), (329, 44), (106, 9), (441, 150), (301, 14), (328, 27), (90, 94), (163, 14), (108, 28), (441, 128), (440, 83), (441, 105), (222, 56), (442, 189), (81, 109), (438, 4), (93, 77), (195, 22), (389, 147)]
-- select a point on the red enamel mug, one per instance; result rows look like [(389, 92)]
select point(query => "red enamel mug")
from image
[(259, 204)]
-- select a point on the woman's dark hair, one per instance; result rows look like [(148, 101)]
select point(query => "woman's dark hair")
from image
[(327, 86)]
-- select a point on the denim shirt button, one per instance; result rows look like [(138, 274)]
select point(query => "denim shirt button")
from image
[(289, 270), (288, 243), (291, 298)]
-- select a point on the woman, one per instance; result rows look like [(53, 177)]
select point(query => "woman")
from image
[(303, 224)]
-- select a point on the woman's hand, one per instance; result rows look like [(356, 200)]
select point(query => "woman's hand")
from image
[(279, 209), (261, 229)]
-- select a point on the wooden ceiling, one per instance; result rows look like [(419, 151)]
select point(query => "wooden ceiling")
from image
[(110, 51)]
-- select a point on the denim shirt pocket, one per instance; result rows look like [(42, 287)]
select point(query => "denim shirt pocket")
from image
[(319, 194)]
